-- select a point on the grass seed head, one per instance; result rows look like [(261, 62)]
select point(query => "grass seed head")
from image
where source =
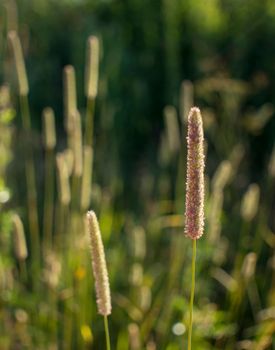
[(20, 245), (49, 129), (102, 286), (92, 67), (19, 63), (194, 213), (250, 202)]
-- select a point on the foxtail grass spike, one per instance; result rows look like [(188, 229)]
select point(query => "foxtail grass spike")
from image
[(99, 266), (20, 245), (49, 129), (250, 202), (194, 214), (70, 97), (92, 67), (19, 63)]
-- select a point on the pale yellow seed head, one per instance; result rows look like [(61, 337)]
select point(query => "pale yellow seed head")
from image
[(103, 295), (19, 63), (49, 128), (92, 67), (250, 202), (70, 97), (63, 180), (20, 245)]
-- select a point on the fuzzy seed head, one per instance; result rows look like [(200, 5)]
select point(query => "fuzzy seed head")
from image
[(49, 128), (70, 97), (20, 245), (102, 286), (250, 202), (194, 213), (19, 63), (92, 67), (63, 180)]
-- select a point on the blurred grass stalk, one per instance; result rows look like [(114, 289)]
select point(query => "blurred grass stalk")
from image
[(91, 86), (49, 144), (29, 161), (86, 184), (64, 195), (78, 161), (20, 246), (70, 102)]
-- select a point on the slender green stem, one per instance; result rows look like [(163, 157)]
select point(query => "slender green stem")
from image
[(31, 186), (106, 326), (192, 294), (89, 125), (49, 197)]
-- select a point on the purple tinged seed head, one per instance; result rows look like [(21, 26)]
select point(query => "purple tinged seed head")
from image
[(194, 212)]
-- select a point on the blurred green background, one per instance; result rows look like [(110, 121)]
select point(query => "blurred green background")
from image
[(216, 54)]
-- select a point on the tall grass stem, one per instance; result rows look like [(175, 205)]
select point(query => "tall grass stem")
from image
[(107, 334), (192, 294)]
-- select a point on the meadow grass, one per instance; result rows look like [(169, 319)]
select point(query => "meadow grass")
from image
[(149, 260)]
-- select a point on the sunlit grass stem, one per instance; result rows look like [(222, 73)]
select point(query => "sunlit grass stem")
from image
[(107, 334), (193, 273), (49, 143)]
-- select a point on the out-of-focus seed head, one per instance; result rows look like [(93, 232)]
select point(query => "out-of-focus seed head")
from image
[(20, 245), (70, 97), (19, 63), (194, 213), (49, 128), (92, 64), (63, 187), (250, 202)]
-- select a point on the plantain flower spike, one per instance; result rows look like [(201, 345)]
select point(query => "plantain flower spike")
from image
[(194, 212), (102, 286)]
